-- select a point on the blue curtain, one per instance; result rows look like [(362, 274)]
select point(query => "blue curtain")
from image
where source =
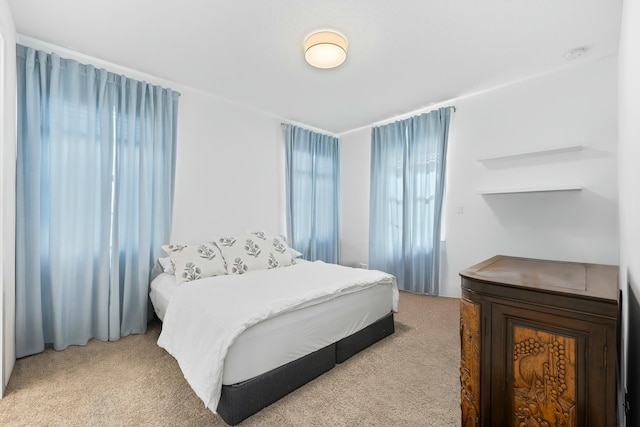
[(313, 193), (408, 160), (95, 172)]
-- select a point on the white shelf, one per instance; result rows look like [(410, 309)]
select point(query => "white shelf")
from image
[(527, 154), (530, 190)]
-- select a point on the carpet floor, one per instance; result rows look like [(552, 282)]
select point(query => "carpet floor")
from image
[(408, 379)]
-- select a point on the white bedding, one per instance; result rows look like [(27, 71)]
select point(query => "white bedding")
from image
[(200, 323), (162, 287), (289, 336)]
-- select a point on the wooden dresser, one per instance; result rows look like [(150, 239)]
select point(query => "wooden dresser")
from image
[(539, 342)]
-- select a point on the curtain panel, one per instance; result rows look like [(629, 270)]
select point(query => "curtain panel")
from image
[(95, 172), (408, 160), (312, 168)]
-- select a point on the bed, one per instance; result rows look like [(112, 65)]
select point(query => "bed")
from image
[(244, 341)]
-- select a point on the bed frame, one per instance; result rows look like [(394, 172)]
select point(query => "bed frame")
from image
[(240, 401)]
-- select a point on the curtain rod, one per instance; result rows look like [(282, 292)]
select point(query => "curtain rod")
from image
[(310, 128), (405, 116), (453, 107), (381, 122)]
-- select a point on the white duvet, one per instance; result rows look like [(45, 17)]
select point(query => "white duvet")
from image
[(204, 317)]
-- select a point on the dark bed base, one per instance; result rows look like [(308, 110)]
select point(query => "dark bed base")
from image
[(347, 347), (240, 401)]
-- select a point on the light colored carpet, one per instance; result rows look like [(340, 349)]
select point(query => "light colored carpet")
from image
[(407, 379)]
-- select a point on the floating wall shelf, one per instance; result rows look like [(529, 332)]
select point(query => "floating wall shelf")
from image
[(527, 154), (530, 190)]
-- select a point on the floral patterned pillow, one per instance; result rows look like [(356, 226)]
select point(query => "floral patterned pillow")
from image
[(281, 241), (250, 252), (284, 254), (167, 266), (193, 262)]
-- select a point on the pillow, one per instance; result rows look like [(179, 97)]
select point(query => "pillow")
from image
[(295, 254), (250, 252), (167, 265), (264, 236), (192, 262)]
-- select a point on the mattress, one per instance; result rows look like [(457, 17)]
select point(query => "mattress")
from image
[(290, 335)]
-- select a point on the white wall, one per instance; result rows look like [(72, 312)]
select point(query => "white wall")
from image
[(575, 105), (355, 176), (629, 177), (7, 192), (230, 170)]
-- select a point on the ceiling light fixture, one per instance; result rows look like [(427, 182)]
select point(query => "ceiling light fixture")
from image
[(325, 49)]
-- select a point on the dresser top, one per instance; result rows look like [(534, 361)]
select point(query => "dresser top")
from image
[(592, 281)]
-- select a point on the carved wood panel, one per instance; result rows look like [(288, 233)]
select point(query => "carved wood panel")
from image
[(544, 378), (470, 362)]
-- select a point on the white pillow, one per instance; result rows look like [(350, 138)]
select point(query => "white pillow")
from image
[(167, 266), (250, 252), (192, 262), (264, 236), (295, 254)]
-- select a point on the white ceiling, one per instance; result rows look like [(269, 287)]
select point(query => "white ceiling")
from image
[(403, 55)]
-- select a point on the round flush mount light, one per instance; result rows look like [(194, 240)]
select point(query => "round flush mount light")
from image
[(325, 49)]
